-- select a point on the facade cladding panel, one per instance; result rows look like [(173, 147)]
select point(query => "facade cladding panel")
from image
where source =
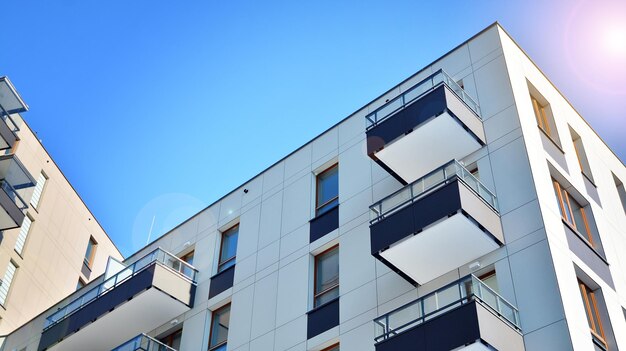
[(530, 278)]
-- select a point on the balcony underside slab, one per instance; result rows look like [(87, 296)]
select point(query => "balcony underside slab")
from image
[(448, 244), (144, 312), (432, 144)]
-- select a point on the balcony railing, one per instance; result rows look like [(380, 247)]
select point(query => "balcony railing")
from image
[(143, 342), (425, 185), (417, 91), (6, 116), (159, 256), (449, 297), (12, 194)]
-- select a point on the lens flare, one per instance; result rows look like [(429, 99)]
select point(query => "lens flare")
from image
[(614, 39), (595, 45)]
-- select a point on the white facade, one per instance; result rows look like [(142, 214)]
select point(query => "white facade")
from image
[(537, 269)]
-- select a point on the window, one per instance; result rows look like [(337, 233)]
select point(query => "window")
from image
[(21, 237), (572, 212), (621, 192), (473, 169), (41, 183), (490, 280), (326, 276), (327, 196), (228, 248), (80, 284), (173, 340), (219, 329), (541, 115), (90, 253), (5, 283), (332, 348), (583, 162), (593, 315), (189, 259)]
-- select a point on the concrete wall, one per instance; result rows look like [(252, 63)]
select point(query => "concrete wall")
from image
[(602, 197), (52, 257)]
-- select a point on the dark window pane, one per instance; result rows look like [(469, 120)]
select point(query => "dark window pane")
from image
[(327, 189), (229, 248), (219, 326), (327, 270), (327, 296), (326, 276)]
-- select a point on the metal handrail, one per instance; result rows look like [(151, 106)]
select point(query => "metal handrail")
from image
[(469, 288), (414, 93), (143, 342), (6, 114), (13, 194), (416, 190), (158, 255)]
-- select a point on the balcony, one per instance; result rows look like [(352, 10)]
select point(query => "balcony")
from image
[(10, 103), (17, 184), (438, 223), (143, 342), (429, 124), (143, 296), (466, 314)]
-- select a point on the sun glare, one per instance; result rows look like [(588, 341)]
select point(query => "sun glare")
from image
[(615, 39), (595, 44)]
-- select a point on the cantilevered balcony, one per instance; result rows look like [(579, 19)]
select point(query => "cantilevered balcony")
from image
[(464, 315), (10, 103), (427, 125), (143, 342), (143, 296), (17, 184), (438, 223)]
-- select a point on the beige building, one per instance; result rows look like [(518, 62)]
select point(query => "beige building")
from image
[(50, 243)]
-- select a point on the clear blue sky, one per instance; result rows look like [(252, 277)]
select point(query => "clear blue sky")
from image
[(158, 108)]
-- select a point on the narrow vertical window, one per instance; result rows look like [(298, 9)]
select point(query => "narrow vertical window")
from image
[(327, 193), (5, 284), (23, 234), (228, 248), (593, 315), (41, 183), (219, 329), (572, 212), (541, 116), (581, 155), (90, 253), (326, 276), (621, 192)]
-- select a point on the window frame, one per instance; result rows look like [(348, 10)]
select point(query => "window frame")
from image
[(560, 191), (318, 177), (10, 284), (88, 261), (43, 176), (220, 262), (213, 314), (331, 347), (540, 115), (592, 311), (327, 290), (169, 338)]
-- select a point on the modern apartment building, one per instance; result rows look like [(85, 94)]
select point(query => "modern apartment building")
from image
[(469, 207), (50, 243)]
